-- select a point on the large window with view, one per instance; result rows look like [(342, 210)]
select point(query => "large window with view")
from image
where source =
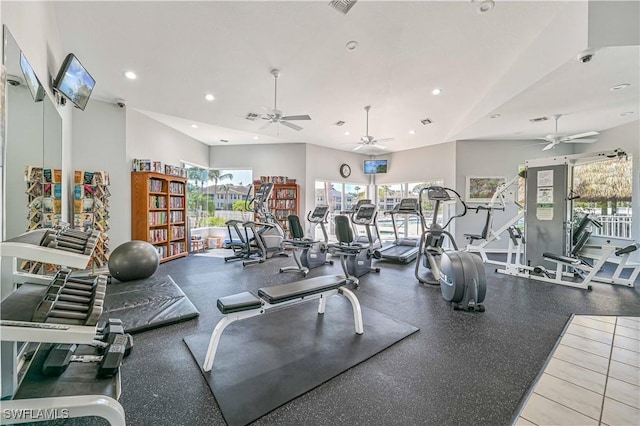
[(340, 197), (605, 189), (407, 226), (216, 195)]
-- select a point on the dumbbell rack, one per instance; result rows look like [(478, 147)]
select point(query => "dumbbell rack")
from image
[(31, 392)]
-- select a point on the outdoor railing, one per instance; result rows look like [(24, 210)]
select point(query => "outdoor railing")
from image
[(614, 226)]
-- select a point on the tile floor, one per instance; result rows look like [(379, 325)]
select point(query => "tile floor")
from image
[(592, 378)]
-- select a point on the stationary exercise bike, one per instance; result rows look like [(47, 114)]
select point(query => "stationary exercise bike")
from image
[(461, 275), (308, 252), (355, 257)]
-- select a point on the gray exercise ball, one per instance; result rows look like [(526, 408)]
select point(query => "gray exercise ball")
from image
[(133, 260)]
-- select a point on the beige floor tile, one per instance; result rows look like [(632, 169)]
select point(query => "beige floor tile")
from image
[(587, 345), (626, 343), (581, 358), (593, 323), (523, 422), (618, 414), (590, 333), (623, 392), (575, 397), (632, 333), (577, 375), (542, 411), (626, 356), (604, 318), (629, 322), (636, 319), (625, 372)]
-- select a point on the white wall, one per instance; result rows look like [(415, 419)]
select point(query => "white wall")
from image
[(147, 138), (265, 160), (421, 164), (493, 158), (324, 164), (99, 144)]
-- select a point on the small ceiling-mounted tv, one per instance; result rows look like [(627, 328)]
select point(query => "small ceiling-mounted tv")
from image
[(74, 82), (36, 89), (372, 167)]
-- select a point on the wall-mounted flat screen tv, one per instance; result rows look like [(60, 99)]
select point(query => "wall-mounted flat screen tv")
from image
[(36, 89), (74, 82), (372, 167)]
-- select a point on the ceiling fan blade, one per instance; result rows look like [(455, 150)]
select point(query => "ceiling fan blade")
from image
[(290, 125), (549, 146), (384, 140), (580, 140), (357, 147), (379, 147), (296, 117), (582, 135)]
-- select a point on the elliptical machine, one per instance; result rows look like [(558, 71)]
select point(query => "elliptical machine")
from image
[(309, 253), (461, 275)]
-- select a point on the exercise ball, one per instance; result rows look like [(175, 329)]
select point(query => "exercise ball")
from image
[(133, 260)]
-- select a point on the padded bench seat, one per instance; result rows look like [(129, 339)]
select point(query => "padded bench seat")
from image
[(301, 289), (244, 301), (246, 305)]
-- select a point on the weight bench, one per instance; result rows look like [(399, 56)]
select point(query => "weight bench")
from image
[(246, 305)]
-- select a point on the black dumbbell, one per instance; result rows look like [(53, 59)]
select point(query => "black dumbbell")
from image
[(78, 235), (72, 304), (108, 334), (61, 355), (67, 247)]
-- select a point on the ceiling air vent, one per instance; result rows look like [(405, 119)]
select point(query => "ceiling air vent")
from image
[(539, 119), (426, 121), (340, 123), (252, 116), (224, 140), (343, 6)]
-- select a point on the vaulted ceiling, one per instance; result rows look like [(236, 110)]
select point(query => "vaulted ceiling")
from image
[(518, 61)]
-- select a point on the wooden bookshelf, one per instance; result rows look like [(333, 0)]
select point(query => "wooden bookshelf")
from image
[(284, 201), (159, 213)]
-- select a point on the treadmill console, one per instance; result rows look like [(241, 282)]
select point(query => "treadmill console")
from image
[(365, 214), (407, 205), (438, 193)]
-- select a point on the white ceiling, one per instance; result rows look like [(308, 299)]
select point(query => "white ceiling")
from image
[(518, 61)]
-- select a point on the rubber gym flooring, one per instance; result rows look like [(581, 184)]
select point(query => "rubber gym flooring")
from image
[(459, 368)]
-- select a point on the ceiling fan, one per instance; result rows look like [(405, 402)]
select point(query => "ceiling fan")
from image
[(370, 141), (275, 115), (557, 138)]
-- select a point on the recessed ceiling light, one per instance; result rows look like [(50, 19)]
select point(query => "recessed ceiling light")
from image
[(209, 97), (351, 45), (347, 133), (619, 87), (412, 132), (436, 91), (484, 6), (495, 116), (627, 113), (256, 137), (194, 126), (130, 75)]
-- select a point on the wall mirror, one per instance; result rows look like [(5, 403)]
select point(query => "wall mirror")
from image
[(33, 160)]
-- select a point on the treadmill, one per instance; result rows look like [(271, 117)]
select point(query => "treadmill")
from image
[(402, 250)]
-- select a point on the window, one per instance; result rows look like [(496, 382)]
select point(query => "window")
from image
[(339, 197), (212, 195), (605, 189)]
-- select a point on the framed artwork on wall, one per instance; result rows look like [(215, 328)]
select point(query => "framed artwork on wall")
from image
[(480, 189)]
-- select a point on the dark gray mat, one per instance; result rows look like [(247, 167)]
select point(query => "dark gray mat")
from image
[(149, 303), (265, 361)]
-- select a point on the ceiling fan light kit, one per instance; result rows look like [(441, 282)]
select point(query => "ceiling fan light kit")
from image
[(277, 116)]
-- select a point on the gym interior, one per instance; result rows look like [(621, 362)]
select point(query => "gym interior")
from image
[(479, 273)]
